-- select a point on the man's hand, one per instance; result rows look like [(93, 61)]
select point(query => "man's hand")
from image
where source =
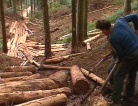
[(136, 32)]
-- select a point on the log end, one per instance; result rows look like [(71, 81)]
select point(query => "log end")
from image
[(81, 87)]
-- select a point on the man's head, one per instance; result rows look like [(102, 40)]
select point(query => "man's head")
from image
[(104, 26)]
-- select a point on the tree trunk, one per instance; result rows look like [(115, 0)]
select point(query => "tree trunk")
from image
[(85, 18), (14, 7), (47, 30), (14, 74), (30, 95), (80, 83), (127, 7), (5, 49), (55, 100), (80, 23), (74, 37), (37, 84), (31, 68)]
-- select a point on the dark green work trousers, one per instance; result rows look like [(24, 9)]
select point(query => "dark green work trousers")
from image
[(129, 65)]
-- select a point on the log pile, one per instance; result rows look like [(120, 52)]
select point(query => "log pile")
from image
[(26, 84), (19, 46), (32, 89)]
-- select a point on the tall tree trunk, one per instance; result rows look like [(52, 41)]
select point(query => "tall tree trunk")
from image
[(31, 8), (74, 40), (5, 49), (47, 30), (80, 27), (127, 7), (14, 7), (85, 18)]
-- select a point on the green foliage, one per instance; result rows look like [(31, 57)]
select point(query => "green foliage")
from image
[(37, 15), (56, 6), (91, 26)]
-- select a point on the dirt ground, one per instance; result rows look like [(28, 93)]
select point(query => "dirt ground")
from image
[(60, 24)]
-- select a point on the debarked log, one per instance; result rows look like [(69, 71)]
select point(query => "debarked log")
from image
[(30, 68), (30, 95), (62, 58), (55, 100), (80, 83), (37, 84), (92, 76), (14, 74)]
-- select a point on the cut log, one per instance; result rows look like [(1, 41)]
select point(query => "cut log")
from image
[(50, 67), (94, 33), (55, 100), (30, 95), (92, 76), (90, 39), (60, 77), (31, 85), (22, 78), (30, 68), (80, 83), (88, 46), (14, 74), (63, 58)]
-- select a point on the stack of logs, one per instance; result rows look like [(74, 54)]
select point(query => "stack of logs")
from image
[(24, 86), (19, 46)]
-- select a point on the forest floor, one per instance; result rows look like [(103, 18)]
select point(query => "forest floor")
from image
[(60, 24)]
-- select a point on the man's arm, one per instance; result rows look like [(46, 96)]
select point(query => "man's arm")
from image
[(134, 19)]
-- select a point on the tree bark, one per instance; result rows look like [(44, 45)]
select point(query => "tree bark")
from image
[(5, 49), (47, 30), (74, 37), (14, 74), (60, 77), (22, 78), (37, 84), (80, 83), (55, 100), (31, 68), (127, 7), (30, 95)]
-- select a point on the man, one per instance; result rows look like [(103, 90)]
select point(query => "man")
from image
[(124, 41)]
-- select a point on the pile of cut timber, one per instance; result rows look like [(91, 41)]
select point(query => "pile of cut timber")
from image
[(19, 46), (31, 89), (24, 83)]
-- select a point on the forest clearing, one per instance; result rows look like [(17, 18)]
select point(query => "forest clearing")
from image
[(27, 78)]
